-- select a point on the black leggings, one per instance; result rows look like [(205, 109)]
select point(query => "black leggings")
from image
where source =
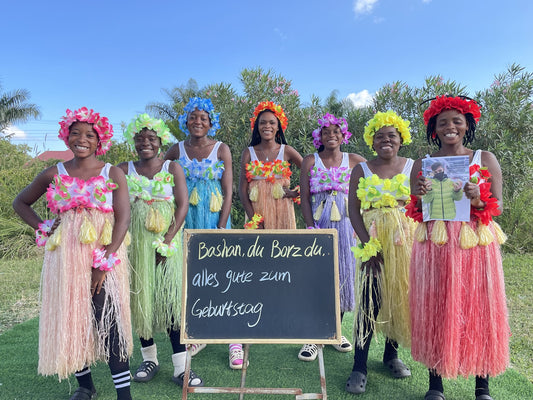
[(361, 349), (174, 335)]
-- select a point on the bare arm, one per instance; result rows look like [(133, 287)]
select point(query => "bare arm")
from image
[(243, 185), (173, 153), (355, 159), (181, 200), (292, 156), (226, 182), (305, 192), (30, 194)]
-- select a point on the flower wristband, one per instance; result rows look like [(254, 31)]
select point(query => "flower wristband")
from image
[(166, 250), (254, 222), (103, 263), (368, 250), (41, 233)]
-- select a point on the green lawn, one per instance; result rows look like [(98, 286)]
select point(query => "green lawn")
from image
[(270, 365)]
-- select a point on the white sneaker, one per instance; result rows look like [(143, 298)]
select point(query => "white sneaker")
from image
[(308, 352), (195, 348), (344, 347), (236, 355)]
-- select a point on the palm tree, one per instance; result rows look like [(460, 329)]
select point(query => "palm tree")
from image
[(14, 107)]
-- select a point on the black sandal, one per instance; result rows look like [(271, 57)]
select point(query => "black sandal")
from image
[(192, 376), (150, 368), (434, 395), (82, 393)]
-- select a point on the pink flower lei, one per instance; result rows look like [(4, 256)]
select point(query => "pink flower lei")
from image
[(326, 121), (100, 124)]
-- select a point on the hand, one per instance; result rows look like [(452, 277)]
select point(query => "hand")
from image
[(290, 194), (422, 186), (472, 191), (97, 280), (159, 259), (457, 185), (373, 266)]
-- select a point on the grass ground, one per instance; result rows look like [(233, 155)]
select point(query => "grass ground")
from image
[(271, 365)]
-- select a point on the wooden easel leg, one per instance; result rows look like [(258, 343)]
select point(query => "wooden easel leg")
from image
[(322, 372), (244, 368), (186, 376)]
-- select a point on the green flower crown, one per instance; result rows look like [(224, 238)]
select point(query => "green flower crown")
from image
[(145, 121)]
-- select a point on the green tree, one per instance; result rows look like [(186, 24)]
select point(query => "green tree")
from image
[(14, 107)]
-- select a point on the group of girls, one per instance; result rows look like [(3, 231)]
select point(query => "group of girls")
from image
[(444, 300)]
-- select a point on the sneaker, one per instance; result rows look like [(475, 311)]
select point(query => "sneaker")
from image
[(236, 356), (195, 348), (308, 352), (344, 347)]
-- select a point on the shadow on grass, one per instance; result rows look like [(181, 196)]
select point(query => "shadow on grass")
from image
[(270, 366)]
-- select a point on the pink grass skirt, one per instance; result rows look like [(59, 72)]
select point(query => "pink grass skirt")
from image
[(69, 336), (458, 307)]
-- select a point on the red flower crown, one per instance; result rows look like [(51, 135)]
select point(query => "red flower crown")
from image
[(275, 108), (444, 102)]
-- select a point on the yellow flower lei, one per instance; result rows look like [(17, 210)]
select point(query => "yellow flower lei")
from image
[(367, 191), (389, 118)]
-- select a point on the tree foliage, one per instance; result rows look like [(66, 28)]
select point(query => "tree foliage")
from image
[(15, 108)]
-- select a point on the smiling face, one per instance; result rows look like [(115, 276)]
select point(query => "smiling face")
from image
[(331, 136), (198, 123), (268, 125), (83, 139), (387, 141), (147, 144), (451, 127)]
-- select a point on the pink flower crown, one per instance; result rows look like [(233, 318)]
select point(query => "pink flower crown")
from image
[(100, 124), (326, 121)]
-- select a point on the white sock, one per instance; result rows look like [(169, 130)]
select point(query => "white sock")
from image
[(150, 353), (178, 359)]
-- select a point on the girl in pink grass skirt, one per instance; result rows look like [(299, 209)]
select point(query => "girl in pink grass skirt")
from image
[(457, 295)]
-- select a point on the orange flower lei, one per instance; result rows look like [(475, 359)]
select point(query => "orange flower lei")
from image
[(275, 108), (268, 170)]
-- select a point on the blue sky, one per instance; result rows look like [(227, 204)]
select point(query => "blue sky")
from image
[(116, 56)]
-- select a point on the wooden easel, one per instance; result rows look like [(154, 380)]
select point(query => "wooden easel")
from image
[(242, 390)]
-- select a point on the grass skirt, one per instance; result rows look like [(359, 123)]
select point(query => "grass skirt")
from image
[(458, 305), (69, 336), (346, 241), (155, 289), (200, 216), (395, 233), (278, 213)]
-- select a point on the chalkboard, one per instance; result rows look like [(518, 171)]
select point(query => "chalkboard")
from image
[(260, 286)]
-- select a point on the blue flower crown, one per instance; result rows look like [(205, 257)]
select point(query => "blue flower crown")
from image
[(197, 103)]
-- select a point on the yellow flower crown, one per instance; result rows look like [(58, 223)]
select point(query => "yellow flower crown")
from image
[(389, 118)]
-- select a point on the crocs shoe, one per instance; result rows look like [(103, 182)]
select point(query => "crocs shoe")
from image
[(308, 352), (397, 368), (356, 383), (344, 347)]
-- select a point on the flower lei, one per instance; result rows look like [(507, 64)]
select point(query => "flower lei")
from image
[(334, 178), (326, 121), (205, 169), (444, 102), (268, 170), (480, 176), (297, 199), (104, 263), (368, 250), (145, 121), (166, 250), (197, 103), (67, 192), (100, 124), (41, 233), (389, 118), (371, 196), (254, 222), (275, 108), (138, 185)]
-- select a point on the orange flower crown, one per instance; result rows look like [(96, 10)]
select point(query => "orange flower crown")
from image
[(275, 108), (460, 103)]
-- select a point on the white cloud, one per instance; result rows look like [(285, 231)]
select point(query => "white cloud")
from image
[(361, 99), (14, 132), (363, 6)]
